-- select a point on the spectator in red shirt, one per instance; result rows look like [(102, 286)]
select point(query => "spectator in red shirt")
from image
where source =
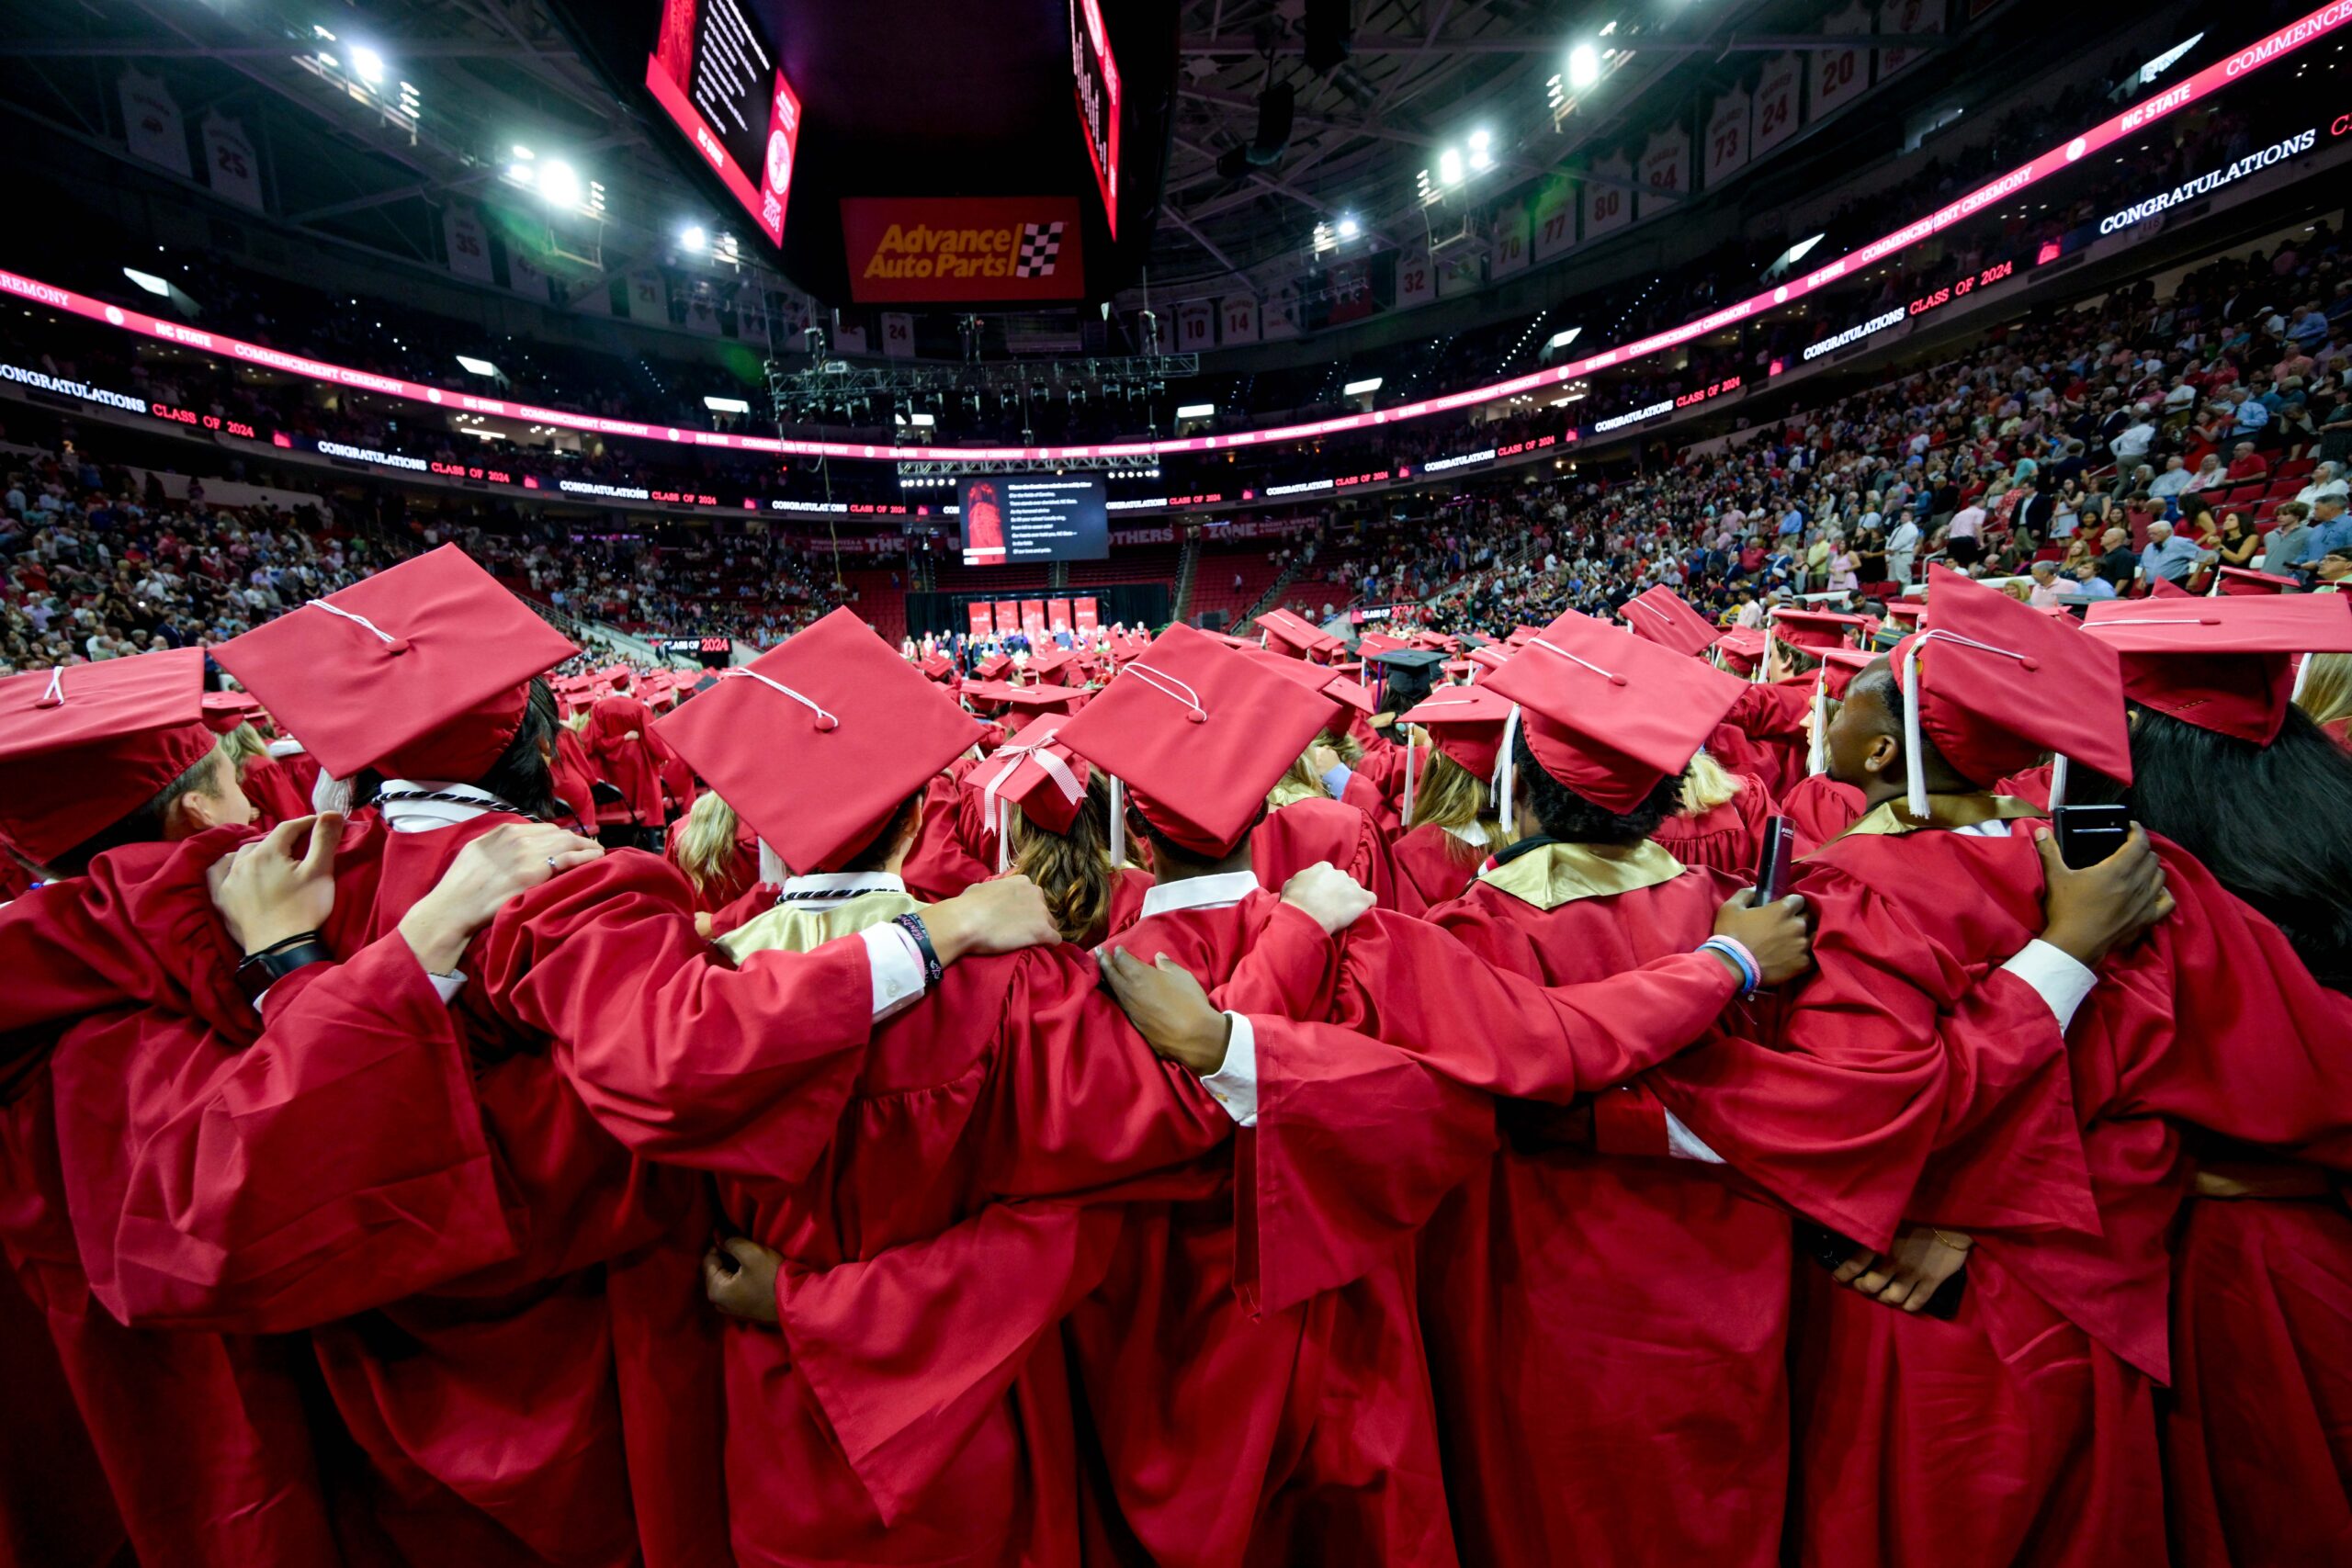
[(2246, 464)]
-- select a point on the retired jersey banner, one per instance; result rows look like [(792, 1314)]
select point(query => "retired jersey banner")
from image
[(1842, 73), (1664, 169), (1727, 136), (1511, 239), (955, 248), (1776, 104), (1554, 221), (1906, 17)]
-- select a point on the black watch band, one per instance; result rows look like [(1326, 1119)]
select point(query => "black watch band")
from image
[(261, 970), (931, 968)]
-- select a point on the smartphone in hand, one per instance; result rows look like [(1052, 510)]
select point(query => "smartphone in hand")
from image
[(2088, 834), (1772, 866)]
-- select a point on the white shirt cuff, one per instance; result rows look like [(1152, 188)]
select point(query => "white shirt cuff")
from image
[(1234, 1085), (1336, 781), (2061, 982), (896, 963), (1681, 1142), (447, 986)]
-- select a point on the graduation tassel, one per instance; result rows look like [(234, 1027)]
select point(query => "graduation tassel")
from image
[(1118, 823), (1817, 756), (1408, 775), (1505, 807), (330, 793), (2057, 780), (1914, 746), (2303, 673), (772, 870)]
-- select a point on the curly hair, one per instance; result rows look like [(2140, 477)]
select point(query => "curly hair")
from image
[(1073, 869), (1568, 816)]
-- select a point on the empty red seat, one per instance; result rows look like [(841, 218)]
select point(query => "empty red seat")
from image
[(2296, 469)]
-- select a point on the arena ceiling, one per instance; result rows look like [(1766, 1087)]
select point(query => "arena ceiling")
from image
[(457, 84)]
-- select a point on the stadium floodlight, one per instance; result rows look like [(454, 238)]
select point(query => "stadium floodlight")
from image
[(1562, 340), (477, 366), (1449, 166), (922, 421), (1195, 411), (1584, 66), (1349, 227), (560, 183), (1358, 389), (726, 405), (1482, 148), (158, 287), (1789, 258), (691, 237), (365, 64)]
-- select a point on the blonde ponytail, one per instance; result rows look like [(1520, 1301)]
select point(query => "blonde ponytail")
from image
[(705, 847), (1706, 784)]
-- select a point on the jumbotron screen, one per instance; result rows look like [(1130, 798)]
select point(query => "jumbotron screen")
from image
[(715, 73), (1018, 517)]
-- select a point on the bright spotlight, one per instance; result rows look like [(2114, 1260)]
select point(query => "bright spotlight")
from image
[(1196, 410), (726, 405), (1584, 66), (1349, 227), (560, 183), (692, 238), (149, 281), (1562, 340), (1358, 389), (473, 367), (367, 64), (1449, 166)]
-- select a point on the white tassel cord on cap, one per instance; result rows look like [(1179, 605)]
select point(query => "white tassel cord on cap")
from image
[(2303, 673), (1915, 777), (2057, 780), (330, 793), (772, 870), (1505, 806), (1817, 755), (1118, 823)]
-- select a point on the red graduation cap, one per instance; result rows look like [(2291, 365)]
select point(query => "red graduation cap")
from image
[(1033, 700), (1466, 724), (2166, 588), (1296, 636), (1813, 629), (1034, 772), (938, 667), (1995, 685), (2224, 665), (1743, 649), (1492, 657), (1610, 716), (994, 665), (1664, 616), (816, 742), (420, 672), (1199, 735), (1371, 643), (1523, 633), (84, 746), (2238, 579), (224, 711), (1906, 610), (1051, 661), (1342, 693), (1840, 665)]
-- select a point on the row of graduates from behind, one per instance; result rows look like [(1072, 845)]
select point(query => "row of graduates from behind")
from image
[(1026, 1301)]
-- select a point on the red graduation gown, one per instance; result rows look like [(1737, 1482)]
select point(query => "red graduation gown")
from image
[(1432, 866), (741, 874), (575, 780), (271, 788), (1606, 1334), (983, 1166), (54, 1505), (2046, 1440), (1306, 832), (1376, 785), (1302, 1433), (633, 767), (955, 847), (1727, 837), (1763, 735), (1820, 808)]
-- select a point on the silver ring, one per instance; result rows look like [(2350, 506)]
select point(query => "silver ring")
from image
[(551, 865)]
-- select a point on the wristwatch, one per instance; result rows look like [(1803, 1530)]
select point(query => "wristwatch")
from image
[(261, 970)]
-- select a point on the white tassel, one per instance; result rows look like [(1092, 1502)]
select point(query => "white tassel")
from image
[(1118, 823), (1914, 745), (1004, 837), (772, 870), (2303, 673), (1408, 775), (330, 793), (1506, 807), (2057, 780), (1817, 758)]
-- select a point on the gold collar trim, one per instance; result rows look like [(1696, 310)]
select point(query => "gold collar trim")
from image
[(1945, 811), (1552, 874)]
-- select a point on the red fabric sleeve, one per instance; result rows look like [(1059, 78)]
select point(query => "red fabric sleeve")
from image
[(336, 1164)]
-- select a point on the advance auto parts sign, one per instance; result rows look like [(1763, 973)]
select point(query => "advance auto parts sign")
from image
[(957, 248)]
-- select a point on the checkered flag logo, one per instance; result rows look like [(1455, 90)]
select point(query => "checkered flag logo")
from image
[(1041, 246)]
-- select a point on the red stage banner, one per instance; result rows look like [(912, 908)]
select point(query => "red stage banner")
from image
[(1084, 616), (1008, 617), (954, 248), (983, 624), (1058, 614), (1033, 619)]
